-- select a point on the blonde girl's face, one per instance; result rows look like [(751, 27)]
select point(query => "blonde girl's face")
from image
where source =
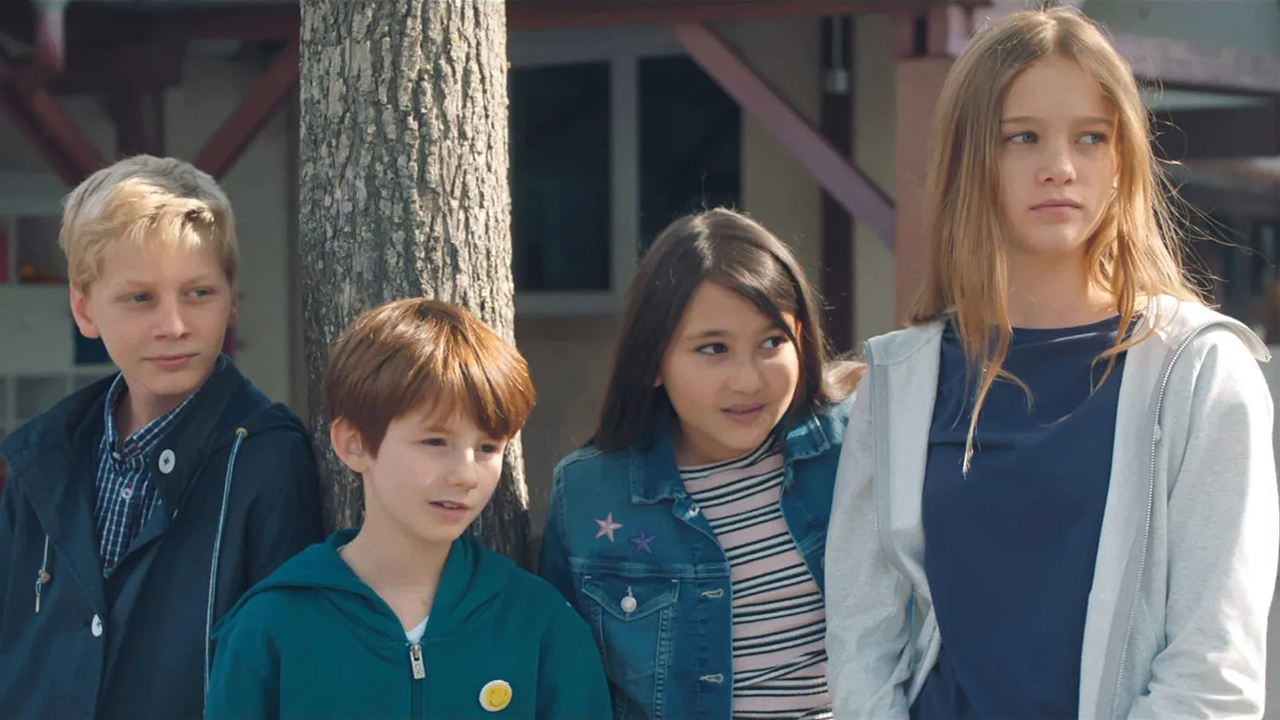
[(730, 374), (1057, 158)]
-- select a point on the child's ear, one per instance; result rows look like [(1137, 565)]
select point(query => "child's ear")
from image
[(80, 312), (348, 445)]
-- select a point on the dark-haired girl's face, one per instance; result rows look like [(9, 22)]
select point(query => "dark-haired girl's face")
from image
[(730, 374)]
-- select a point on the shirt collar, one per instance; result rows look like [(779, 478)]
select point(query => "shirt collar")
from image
[(144, 440)]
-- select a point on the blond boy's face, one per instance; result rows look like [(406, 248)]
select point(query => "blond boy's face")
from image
[(162, 314), (430, 478)]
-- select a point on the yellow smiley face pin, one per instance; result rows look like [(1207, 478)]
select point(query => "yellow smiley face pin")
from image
[(495, 695)]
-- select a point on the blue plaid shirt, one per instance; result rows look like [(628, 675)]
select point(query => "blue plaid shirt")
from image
[(126, 495)]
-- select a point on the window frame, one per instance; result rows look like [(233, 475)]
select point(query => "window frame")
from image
[(622, 49)]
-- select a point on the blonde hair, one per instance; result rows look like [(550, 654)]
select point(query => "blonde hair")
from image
[(1131, 253), (145, 200)]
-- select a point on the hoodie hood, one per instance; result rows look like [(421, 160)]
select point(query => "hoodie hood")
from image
[(473, 577)]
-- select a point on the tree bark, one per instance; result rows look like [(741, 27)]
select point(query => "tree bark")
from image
[(403, 172)]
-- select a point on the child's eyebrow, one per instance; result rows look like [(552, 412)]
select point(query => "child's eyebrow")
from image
[(1090, 119)]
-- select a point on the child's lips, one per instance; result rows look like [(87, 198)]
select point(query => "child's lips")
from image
[(171, 362), (745, 414), (451, 511)]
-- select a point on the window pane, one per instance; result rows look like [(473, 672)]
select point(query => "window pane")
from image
[(690, 143), (559, 118)]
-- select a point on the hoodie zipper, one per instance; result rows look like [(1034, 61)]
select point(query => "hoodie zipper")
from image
[(419, 672), (1151, 498)]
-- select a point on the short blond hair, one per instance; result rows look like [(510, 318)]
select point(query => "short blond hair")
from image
[(145, 199)]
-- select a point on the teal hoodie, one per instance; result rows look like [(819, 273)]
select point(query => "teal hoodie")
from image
[(314, 641)]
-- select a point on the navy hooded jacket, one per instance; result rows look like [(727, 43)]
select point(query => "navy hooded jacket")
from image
[(243, 488)]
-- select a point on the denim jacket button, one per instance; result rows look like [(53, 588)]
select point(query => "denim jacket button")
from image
[(628, 604)]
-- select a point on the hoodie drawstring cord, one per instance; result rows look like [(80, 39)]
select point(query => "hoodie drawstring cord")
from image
[(43, 577), (241, 433)]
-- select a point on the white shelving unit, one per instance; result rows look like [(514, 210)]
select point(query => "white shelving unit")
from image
[(37, 334)]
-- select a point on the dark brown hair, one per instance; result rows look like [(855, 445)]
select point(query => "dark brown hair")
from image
[(738, 253), (420, 354)]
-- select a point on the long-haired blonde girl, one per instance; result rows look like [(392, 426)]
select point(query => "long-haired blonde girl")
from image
[(1057, 495)]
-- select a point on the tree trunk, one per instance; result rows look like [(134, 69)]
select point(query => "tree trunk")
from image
[(403, 171)]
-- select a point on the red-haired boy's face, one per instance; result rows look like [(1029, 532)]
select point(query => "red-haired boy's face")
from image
[(429, 479)]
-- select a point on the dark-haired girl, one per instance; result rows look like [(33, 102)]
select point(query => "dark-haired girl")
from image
[(690, 531)]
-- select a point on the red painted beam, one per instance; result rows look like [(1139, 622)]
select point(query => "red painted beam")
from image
[(844, 182), (30, 128), (44, 123), (542, 14), (239, 129)]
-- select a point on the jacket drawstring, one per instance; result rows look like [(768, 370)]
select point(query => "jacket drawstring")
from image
[(241, 433), (43, 577)]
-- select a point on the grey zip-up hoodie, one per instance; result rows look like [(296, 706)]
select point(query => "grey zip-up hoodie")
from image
[(1176, 625)]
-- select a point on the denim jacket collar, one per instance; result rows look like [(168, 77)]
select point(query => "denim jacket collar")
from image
[(655, 477)]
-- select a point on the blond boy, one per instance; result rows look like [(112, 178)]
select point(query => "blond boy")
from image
[(139, 509)]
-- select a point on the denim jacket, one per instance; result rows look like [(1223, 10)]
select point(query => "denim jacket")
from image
[(629, 549)]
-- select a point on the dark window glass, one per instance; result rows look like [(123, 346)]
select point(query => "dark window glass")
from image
[(559, 125), (690, 143)]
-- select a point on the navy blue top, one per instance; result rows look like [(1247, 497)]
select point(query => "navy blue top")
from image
[(1010, 549)]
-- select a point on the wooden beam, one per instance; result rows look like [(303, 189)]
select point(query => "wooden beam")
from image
[(1218, 133), (30, 128), (1180, 64), (543, 14), (240, 128), (1174, 63), (855, 192), (47, 127)]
